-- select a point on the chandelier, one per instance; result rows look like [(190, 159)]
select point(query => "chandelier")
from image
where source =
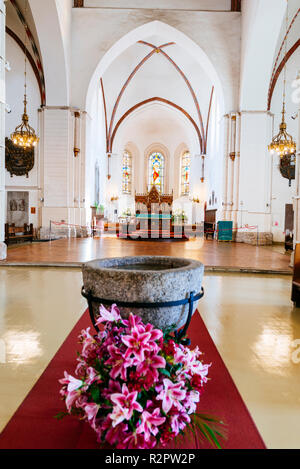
[(24, 135), (283, 143)]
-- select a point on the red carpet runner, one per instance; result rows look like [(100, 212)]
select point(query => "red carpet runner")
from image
[(33, 425)]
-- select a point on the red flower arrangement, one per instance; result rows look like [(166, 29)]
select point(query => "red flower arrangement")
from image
[(137, 386)]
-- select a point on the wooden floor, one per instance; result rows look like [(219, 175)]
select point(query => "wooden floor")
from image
[(211, 253)]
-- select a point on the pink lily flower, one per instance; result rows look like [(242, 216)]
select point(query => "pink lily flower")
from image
[(156, 334), (171, 395), (179, 421), (116, 434), (92, 375), (113, 388), (192, 366), (137, 344), (135, 322), (191, 401), (149, 423), (91, 411), (71, 397), (85, 335), (126, 403), (150, 364), (137, 441), (71, 382), (119, 363), (111, 316)]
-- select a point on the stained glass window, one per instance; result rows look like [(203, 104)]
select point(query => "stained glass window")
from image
[(126, 172), (156, 171), (185, 173)]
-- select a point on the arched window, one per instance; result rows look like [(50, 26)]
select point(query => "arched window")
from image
[(127, 172), (156, 166), (185, 169)]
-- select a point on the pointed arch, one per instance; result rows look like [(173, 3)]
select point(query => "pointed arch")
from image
[(143, 32), (162, 100)]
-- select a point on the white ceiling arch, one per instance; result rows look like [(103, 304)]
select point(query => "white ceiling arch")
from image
[(53, 39), (144, 120), (143, 32)]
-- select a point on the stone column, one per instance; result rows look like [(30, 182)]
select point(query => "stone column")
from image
[(227, 129), (2, 131), (255, 176), (61, 179), (236, 207)]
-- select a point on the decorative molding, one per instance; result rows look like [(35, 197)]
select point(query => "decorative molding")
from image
[(163, 100), (30, 59), (279, 70), (34, 49)]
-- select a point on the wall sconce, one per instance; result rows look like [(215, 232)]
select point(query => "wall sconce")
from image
[(76, 133), (195, 200), (114, 198)]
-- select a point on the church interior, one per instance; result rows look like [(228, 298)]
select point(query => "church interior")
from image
[(148, 128)]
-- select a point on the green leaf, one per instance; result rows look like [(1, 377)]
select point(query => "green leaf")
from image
[(60, 415), (95, 393), (165, 372), (210, 429)]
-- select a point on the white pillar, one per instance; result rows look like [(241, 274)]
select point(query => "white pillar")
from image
[(61, 172), (227, 129), (236, 207), (2, 130), (255, 171)]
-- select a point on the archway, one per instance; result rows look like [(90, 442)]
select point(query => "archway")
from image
[(128, 94), (143, 32)]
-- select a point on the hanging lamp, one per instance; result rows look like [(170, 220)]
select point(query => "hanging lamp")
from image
[(283, 143), (24, 135)]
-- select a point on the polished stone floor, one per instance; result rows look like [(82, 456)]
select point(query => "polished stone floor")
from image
[(214, 255), (250, 318)]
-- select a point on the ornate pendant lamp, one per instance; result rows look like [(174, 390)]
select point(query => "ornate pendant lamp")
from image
[(283, 143), (24, 135)]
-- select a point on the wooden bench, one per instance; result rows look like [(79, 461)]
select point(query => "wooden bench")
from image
[(14, 233), (296, 277)]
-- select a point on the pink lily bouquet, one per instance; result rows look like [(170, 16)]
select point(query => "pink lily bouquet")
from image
[(137, 386)]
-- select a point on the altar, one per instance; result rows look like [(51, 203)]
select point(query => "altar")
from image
[(153, 218)]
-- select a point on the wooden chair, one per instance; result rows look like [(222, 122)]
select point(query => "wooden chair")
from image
[(296, 277)]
